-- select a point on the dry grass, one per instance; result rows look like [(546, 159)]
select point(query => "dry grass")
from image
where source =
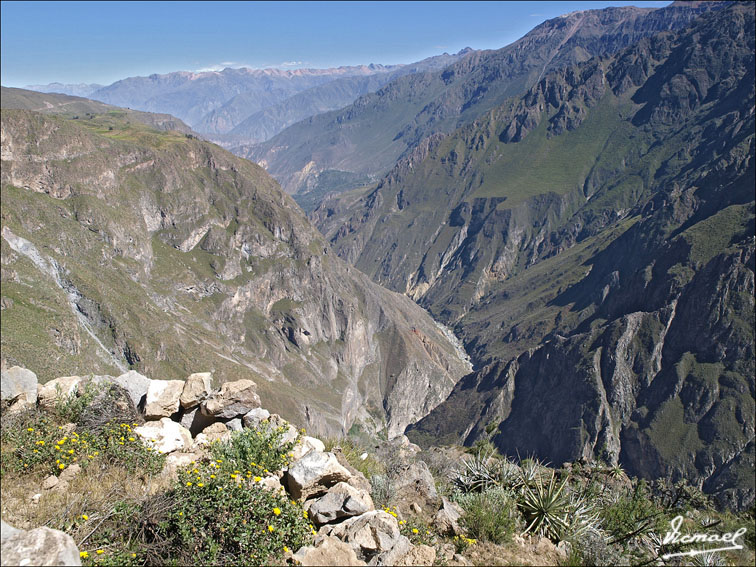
[(98, 494)]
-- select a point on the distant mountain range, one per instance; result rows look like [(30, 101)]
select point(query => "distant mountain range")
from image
[(236, 106), (81, 89)]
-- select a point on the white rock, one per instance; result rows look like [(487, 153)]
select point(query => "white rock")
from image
[(198, 386), (314, 474), (254, 417), (374, 536), (40, 546), (162, 398), (233, 400), (18, 385), (136, 385), (304, 445), (341, 501), (165, 436), (327, 550)]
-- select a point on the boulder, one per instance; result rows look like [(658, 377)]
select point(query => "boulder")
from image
[(254, 417), (40, 546), (136, 385), (60, 388), (304, 445), (374, 536), (6, 530), (197, 387), (447, 518), (341, 501), (271, 483), (69, 472), (418, 555), (233, 400), (165, 436), (195, 421), (314, 474), (327, 550), (235, 424), (163, 398), (215, 432), (18, 386), (414, 483)]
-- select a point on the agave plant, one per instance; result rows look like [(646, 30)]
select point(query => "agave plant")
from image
[(546, 507), (708, 559), (478, 473), (584, 517)]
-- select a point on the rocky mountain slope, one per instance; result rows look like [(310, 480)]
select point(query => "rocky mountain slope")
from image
[(341, 92), (592, 242), (270, 120), (369, 136), (128, 247)]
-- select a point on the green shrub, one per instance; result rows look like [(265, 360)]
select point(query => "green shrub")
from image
[(632, 514), (71, 407), (118, 445), (256, 451), (219, 518), (490, 515)]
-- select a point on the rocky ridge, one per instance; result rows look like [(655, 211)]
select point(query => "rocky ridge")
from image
[(335, 496)]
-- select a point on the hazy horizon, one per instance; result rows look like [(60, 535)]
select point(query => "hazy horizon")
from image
[(102, 42)]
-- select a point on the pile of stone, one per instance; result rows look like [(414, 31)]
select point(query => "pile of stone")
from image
[(181, 417)]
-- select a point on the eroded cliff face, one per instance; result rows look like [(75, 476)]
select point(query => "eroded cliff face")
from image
[(126, 247), (592, 244)]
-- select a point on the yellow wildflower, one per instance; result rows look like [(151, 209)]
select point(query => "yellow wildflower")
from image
[(414, 531), (277, 511), (271, 529), (83, 554), (61, 466), (84, 517), (100, 551)]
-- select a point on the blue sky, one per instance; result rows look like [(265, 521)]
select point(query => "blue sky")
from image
[(101, 42)]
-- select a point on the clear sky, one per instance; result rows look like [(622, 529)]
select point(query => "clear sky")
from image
[(101, 42)]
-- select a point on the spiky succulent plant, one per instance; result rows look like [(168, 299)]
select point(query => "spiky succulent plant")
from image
[(546, 507)]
